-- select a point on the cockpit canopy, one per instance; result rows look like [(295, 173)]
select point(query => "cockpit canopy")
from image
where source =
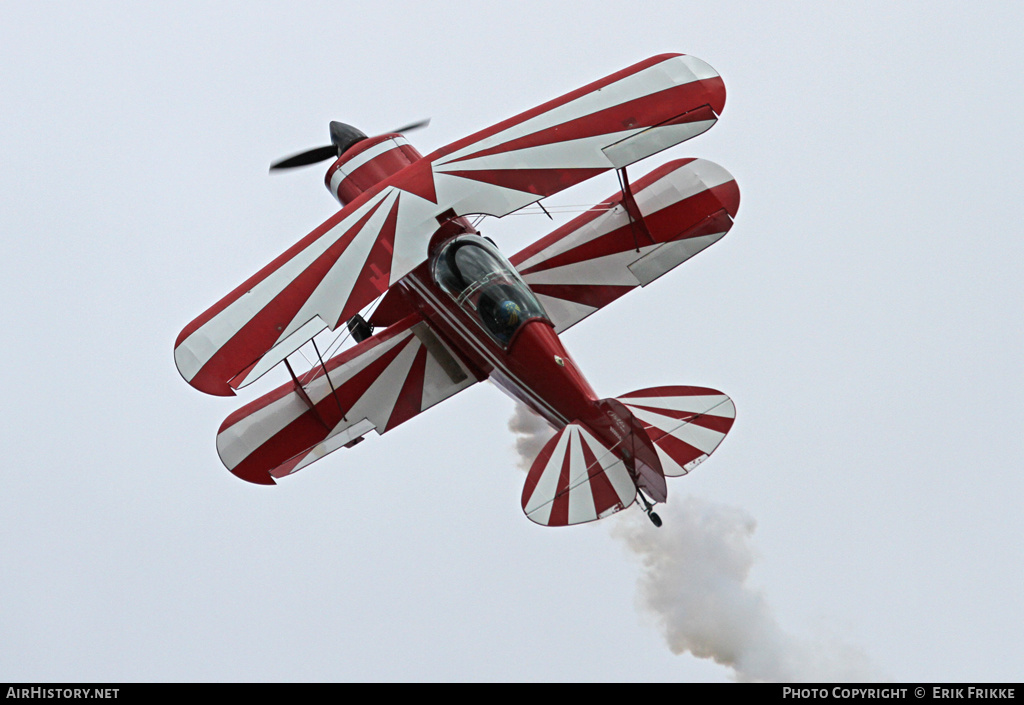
[(474, 273)]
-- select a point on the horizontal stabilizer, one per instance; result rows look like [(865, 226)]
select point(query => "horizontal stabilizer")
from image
[(376, 385), (576, 479), (685, 423)]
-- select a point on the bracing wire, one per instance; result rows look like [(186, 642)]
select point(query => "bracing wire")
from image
[(537, 210), (342, 334)]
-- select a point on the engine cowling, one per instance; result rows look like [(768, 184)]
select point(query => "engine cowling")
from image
[(368, 162)]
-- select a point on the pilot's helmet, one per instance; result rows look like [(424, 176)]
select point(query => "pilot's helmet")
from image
[(508, 313)]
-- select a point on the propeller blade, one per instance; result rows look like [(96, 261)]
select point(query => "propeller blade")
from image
[(311, 156), (342, 137), (413, 126)]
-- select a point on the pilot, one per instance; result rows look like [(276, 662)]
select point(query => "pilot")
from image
[(503, 315), (508, 314)]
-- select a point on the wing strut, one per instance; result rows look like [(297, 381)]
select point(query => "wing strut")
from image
[(301, 391), (334, 392), (636, 217)]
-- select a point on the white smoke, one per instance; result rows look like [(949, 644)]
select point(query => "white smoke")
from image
[(694, 582), (532, 432)]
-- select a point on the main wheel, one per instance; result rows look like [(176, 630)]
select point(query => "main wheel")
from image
[(359, 328)]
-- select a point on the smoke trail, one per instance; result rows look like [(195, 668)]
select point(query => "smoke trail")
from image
[(532, 432), (694, 582)]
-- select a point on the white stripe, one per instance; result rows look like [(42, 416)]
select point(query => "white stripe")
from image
[(283, 349), (467, 196), (610, 220), (319, 388), (210, 337), (411, 233), (564, 313), (538, 507), (674, 71), (332, 443), (582, 153), (238, 441), (668, 464), (378, 402), (680, 184), (653, 140), (616, 472), (372, 153), (696, 404), (700, 69), (484, 352), (346, 169), (670, 255), (705, 174), (607, 270), (581, 496), (701, 438), (333, 292)]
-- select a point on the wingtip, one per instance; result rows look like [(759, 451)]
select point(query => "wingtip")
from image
[(729, 195), (208, 384), (256, 478)]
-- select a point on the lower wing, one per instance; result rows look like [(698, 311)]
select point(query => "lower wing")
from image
[(687, 205), (376, 385)]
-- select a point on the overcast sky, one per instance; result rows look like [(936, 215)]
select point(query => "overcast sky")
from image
[(864, 314)]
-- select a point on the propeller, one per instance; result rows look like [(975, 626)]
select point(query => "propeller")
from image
[(342, 137), (412, 126)]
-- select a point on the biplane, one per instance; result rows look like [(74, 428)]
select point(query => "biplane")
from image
[(451, 310)]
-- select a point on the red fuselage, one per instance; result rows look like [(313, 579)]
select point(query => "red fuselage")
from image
[(532, 365), (529, 363)]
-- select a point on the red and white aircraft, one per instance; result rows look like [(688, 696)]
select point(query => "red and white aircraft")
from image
[(455, 311)]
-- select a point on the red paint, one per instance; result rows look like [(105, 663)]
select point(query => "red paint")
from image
[(403, 168), (486, 325), (375, 171)]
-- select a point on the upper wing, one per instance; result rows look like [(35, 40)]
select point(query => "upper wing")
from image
[(608, 124), (378, 384), (687, 205), (322, 281), (340, 267)]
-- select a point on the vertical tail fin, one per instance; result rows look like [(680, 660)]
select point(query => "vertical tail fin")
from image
[(636, 448)]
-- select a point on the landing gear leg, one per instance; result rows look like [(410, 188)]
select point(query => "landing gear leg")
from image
[(655, 519)]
